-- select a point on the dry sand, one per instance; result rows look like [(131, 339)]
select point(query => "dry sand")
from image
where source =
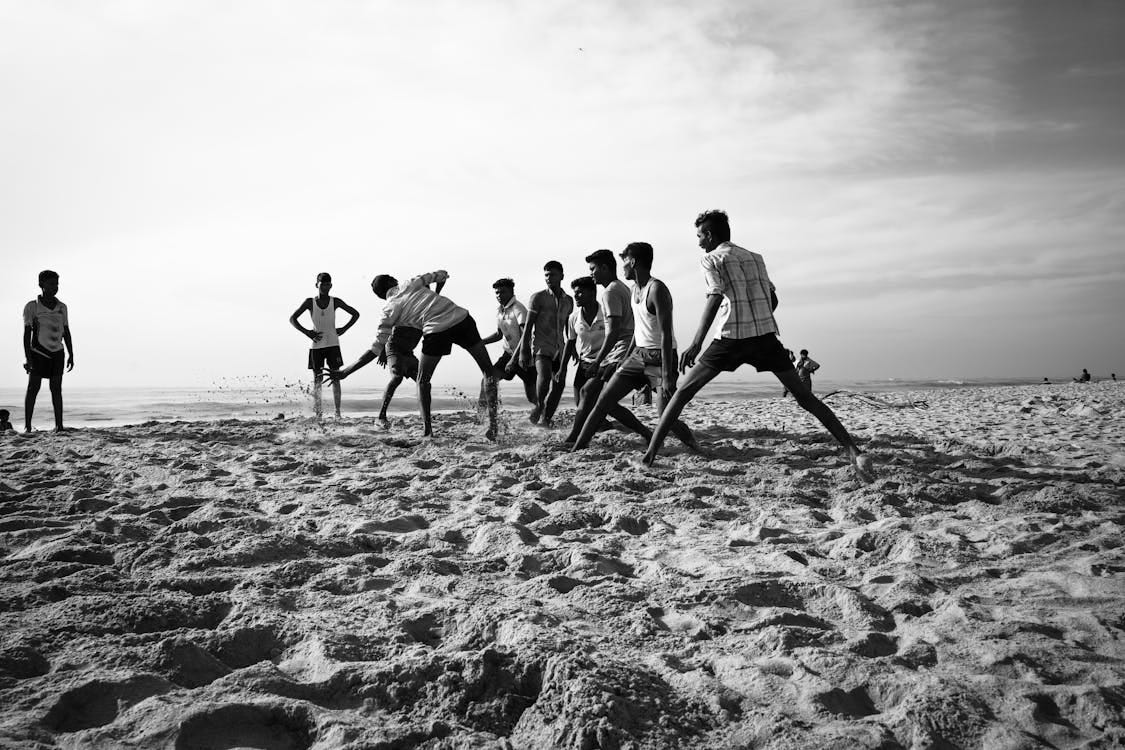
[(283, 584)]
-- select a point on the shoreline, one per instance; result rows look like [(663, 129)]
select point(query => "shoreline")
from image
[(239, 582)]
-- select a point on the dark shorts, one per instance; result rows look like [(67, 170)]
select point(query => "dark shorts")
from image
[(329, 354), (764, 352), (464, 334), (501, 365), (400, 352), (48, 364), (643, 367), (583, 373)]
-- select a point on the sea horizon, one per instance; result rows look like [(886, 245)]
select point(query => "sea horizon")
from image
[(109, 406)]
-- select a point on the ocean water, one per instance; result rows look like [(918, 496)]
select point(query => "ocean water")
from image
[(250, 398)]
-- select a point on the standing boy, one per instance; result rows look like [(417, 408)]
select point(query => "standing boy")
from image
[(805, 368), (325, 337), (739, 287), (541, 345), (510, 318), (46, 329)]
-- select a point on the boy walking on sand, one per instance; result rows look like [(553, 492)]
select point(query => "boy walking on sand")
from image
[(325, 337), (510, 318), (541, 345), (739, 287), (46, 329)]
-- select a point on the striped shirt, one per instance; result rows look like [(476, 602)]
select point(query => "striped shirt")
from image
[(415, 305), (740, 277)]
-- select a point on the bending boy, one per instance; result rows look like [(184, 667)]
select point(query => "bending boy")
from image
[(442, 323)]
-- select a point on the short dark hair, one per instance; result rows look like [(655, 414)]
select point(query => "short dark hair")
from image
[(382, 284), (503, 282), (4, 414), (584, 282), (804, 352), (716, 222), (603, 258), (641, 252), (553, 265), (324, 276), (47, 274)]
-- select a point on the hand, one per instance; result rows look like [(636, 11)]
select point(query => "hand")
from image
[(69, 364), (525, 360), (510, 368), (666, 393), (687, 359), (382, 359), (338, 375), (314, 335), (668, 380), (604, 369), (340, 331), (27, 367), (560, 376)]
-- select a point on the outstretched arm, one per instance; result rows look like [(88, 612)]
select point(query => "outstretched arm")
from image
[(706, 318), (351, 311)]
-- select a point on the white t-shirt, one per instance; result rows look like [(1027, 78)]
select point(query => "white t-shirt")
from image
[(587, 337), (47, 325)]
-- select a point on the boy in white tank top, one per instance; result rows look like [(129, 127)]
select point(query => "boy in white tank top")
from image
[(325, 337)]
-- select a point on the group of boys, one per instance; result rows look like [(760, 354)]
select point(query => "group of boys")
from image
[(621, 340)]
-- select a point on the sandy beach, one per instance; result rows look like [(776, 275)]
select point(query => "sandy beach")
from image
[(294, 584)]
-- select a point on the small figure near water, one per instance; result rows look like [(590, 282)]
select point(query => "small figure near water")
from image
[(1083, 378), (46, 329), (325, 337), (5, 425), (805, 368)]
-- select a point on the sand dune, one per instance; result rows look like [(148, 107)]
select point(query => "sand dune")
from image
[(288, 584)]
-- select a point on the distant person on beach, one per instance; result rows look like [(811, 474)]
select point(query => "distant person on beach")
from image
[(510, 318), (1113, 376), (399, 358), (325, 337), (1083, 378), (442, 323), (5, 424), (739, 288), (805, 368), (541, 345), (651, 358), (46, 330), (1046, 382)]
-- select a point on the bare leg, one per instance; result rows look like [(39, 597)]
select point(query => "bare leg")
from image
[(542, 388), (611, 394), (388, 394), (699, 376), (318, 409), (679, 429), (827, 417), (336, 396), (480, 355), (55, 385), (589, 396), (629, 419), (429, 363), (33, 383), (554, 396)]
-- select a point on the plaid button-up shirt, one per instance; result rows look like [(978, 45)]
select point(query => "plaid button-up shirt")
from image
[(740, 277)]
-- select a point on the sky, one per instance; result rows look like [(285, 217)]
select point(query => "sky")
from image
[(937, 186)]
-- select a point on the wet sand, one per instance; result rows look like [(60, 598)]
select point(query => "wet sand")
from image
[(289, 584)]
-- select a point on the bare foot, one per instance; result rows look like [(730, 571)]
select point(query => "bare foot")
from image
[(863, 465), (533, 417)]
